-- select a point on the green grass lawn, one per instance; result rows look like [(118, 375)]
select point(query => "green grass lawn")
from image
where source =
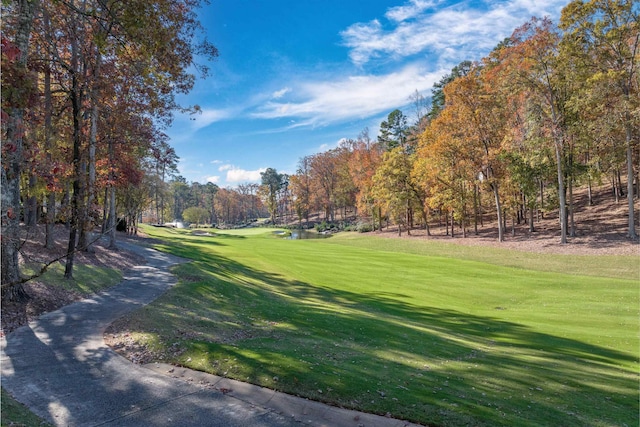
[(424, 331), (87, 279), (15, 414)]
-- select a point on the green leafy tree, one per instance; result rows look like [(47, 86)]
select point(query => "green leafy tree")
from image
[(393, 131), (209, 197), (180, 194), (393, 187), (272, 182), (195, 215)]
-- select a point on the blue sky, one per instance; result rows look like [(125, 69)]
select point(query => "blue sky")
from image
[(294, 77)]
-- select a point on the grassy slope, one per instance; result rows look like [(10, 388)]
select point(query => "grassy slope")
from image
[(15, 414), (87, 279), (623, 267), (389, 326)]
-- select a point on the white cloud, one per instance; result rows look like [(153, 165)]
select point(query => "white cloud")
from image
[(216, 162), (351, 97), (280, 93), (208, 116), (408, 11), (213, 179), (459, 27), (235, 174)]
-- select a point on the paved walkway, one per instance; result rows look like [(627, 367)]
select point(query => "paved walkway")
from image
[(60, 367)]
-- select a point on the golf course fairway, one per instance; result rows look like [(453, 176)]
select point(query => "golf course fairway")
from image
[(412, 329)]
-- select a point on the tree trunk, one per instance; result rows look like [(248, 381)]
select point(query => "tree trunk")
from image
[(12, 157), (453, 224), (589, 190), (105, 212), (571, 208), (31, 208), (82, 209), (425, 217), (446, 221), (638, 173), (464, 226), (112, 217), (561, 192), (475, 209), (504, 220), (480, 208), (48, 134), (632, 227), (409, 218), (541, 200), (93, 139), (76, 99), (619, 182), (496, 195), (531, 217)]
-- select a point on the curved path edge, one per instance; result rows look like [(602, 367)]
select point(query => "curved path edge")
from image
[(61, 368)]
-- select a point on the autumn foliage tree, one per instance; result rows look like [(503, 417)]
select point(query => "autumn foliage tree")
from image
[(365, 159), (85, 84), (605, 34), (392, 187), (17, 89)]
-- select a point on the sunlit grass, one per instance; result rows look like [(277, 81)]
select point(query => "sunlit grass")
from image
[(87, 279), (421, 333), (618, 266)]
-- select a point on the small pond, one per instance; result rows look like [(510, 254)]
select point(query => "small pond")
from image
[(302, 234)]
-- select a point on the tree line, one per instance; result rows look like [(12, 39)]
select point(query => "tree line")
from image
[(551, 108), (208, 204), (87, 88)]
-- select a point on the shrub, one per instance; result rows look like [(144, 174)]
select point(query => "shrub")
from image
[(323, 226), (364, 227)]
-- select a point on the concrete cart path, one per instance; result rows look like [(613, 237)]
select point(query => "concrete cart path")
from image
[(60, 367)]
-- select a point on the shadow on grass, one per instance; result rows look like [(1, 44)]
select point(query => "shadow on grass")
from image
[(379, 353)]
